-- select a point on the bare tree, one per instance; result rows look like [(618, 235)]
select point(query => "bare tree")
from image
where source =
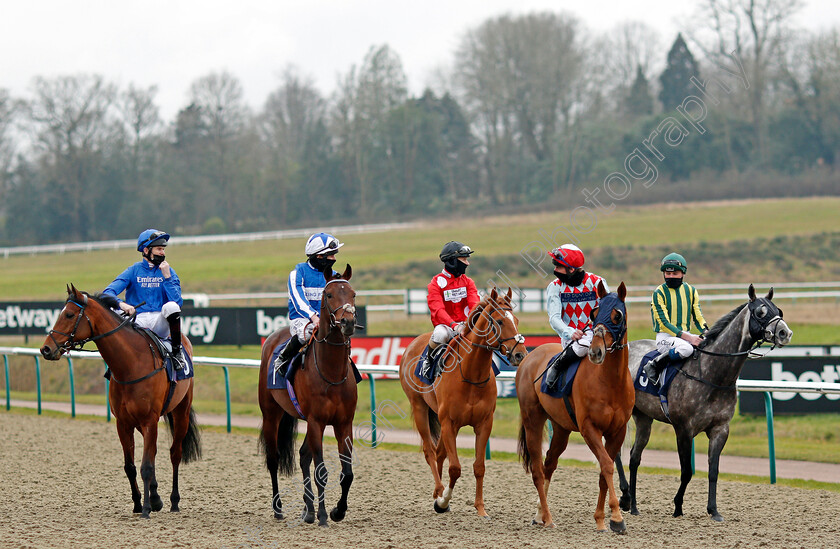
[(750, 34), (8, 108), (71, 120), (292, 117), (519, 78), (624, 50)]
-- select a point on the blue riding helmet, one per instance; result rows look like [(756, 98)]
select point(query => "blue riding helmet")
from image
[(150, 238)]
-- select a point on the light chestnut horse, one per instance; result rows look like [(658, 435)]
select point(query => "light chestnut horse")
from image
[(464, 394), (601, 401)]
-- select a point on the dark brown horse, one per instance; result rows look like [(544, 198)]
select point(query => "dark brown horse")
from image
[(137, 392), (326, 391), (464, 394), (601, 401)]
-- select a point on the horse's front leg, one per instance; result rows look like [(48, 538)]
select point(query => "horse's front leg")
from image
[(684, 451), (151, 498), (316, 449), (126, 435), (344, 437), (308, 514), (717, 439), (482, 435), (448, 432), (593, 438)]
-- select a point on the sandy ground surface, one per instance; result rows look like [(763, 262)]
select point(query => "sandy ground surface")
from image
[(63, 486)]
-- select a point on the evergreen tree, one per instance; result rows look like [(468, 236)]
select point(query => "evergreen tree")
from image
[(676, 78), (639, 101)]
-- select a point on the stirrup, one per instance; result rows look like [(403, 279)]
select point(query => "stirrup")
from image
[(179, 361)]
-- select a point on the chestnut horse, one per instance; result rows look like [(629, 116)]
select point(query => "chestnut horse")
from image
[(326, 389), (602, 400), (464, 394), (137, 394)]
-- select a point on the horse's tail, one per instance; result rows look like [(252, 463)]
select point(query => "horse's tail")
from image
[(191, 445), (286, 436), (522, 448), (434, 426)]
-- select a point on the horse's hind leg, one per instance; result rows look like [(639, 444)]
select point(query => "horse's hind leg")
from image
[(557, 445), (717, 438), (420, 412), (482, 435), (344, 436), (126, 435), (623, 485), (684, 450), (643, 427), (180, 420)]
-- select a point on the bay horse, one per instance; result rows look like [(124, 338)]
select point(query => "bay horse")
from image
[(601, 403), (326, 390), (703, 397), (464, 393), (137, 394)]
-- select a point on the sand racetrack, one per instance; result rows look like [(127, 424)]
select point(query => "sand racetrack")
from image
[(63, 486)]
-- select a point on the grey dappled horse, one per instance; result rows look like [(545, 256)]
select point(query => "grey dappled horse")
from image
[(702, 398)]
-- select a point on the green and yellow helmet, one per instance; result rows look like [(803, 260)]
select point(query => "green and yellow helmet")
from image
[(672, 262)]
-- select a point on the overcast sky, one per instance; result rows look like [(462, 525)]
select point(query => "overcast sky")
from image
[(170, 43)]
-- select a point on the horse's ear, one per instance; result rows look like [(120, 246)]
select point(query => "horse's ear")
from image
[(493, 294), (348, 272), (509, 294), (601, 290), (751, 292), (770, 293), (328, 273), (68, 289), (622, 291), (73, 289)]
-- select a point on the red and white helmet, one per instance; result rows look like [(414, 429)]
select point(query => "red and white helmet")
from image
[(569, 255)]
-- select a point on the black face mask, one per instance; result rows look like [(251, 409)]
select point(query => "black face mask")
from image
[(573, 279), (321, 263), (455, 267), (674, 283)]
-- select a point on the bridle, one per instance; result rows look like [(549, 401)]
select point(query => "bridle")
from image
[(499, 345), (758, 332), (617, 330), (334, 324), (71, 344)]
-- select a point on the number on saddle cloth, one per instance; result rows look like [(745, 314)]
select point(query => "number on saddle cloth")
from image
[(669, 370)]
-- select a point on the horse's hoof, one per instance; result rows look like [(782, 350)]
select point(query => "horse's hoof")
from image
[(308, 517), (677, 514), (439, 509), (618, 527), (336, 515), (137, 509), (145, 515), (717, 518), (279, 515), (487, 517), (157, 504), (602, 531), (624, 505), (174, 509), (323, 524), (534, 522)]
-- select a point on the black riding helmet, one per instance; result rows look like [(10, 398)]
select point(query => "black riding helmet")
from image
[(451, 252)]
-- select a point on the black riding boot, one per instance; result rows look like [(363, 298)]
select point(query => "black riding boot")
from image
[(654, 367), (281, 365), (431, 357), (559, 366), (174, 321)]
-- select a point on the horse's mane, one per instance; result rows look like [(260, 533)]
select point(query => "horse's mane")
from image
[(719, 326), (109, 302)]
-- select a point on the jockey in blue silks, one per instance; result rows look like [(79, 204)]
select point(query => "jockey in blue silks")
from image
[(306, 285), (153, 281)]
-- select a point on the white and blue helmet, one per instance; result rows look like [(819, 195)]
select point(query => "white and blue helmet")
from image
[(322, 243)]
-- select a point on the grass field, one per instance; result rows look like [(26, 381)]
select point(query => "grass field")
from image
[(762, 241)]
